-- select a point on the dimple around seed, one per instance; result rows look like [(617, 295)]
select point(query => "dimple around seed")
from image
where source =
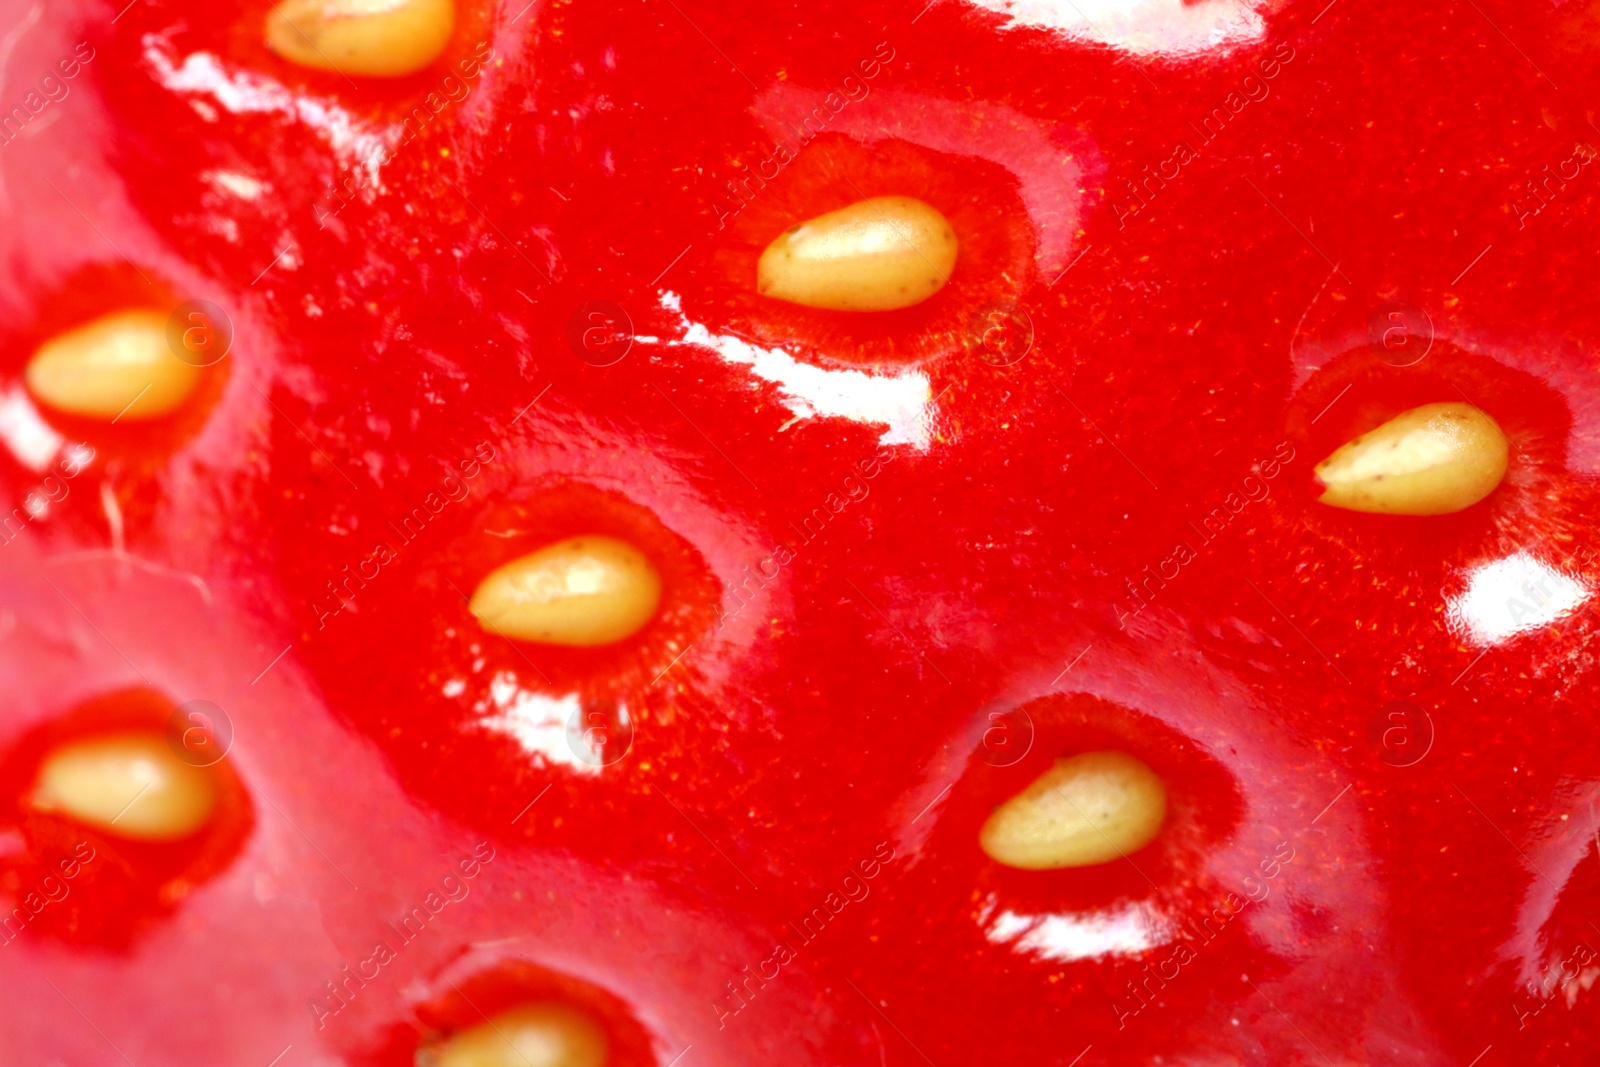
[(583, 591), (879, 254), (1088, 809)]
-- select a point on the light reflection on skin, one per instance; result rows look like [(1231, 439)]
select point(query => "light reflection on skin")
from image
[(31, 440), (201, 74), (1128, 930), (241, 185), (898, 401), (1143, 27), (1513, 595), (537, 722), (1556, 849)]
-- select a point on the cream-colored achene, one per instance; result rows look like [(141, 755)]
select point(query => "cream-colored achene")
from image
[(365, 38), (117, 365), (533, 1035), (880, 254), (588, 590), (1091, 808), (1431, 460), (127, 784)]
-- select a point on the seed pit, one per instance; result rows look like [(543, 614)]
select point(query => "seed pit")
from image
[(982, 211), (109, 796)]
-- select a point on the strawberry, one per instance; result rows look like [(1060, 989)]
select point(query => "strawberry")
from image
[(495, 621)]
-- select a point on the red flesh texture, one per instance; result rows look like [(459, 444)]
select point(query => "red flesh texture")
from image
[(814, 725)]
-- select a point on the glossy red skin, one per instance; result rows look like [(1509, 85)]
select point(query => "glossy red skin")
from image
[(847, 705)]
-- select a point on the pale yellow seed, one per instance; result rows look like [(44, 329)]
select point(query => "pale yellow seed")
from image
[(1087, 809), (582, 591), (365, 38), (117, 367), (126, 784), (875, 255), (1431, 460), (534, 1035)]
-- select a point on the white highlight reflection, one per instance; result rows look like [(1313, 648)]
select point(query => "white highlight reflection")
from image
[(536, 721), (239, 184), (32, 440), (202, 73), (1126, 931), (1143, 27), (898, 402), (1511, 596)]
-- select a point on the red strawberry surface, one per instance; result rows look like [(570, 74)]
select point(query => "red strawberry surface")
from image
[(908, 558)]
